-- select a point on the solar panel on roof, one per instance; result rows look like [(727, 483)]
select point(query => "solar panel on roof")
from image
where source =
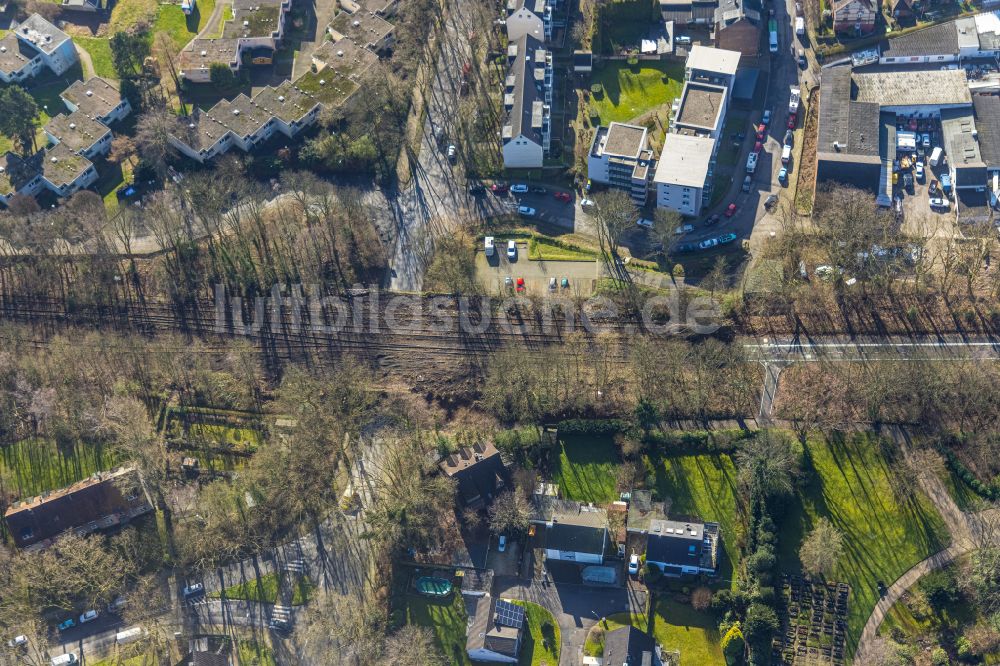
[(509, 615)]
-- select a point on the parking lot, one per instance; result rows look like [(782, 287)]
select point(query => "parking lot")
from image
[(914, 190), (493, 272)]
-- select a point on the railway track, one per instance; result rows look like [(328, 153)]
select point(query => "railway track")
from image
[(373, 331)]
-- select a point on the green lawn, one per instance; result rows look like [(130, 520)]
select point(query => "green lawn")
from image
[(540, 646), (587, 466), (704, 488), (182, 29), (632, 91), (33, 466), (676, 626), (265, 590), (542, 249), (128, 14), (140, 660), (848, 483), (445, 617), (99, 49), (253, 653)]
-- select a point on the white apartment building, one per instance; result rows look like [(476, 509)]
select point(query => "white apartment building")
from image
[(529, 17), (527, 134), (683, 173), (620, 157), (32, 46)]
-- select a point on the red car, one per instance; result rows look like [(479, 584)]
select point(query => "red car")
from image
[(520, 284), (499, 188), (760, 132), (757, 147), (791, 121), (731, 210), (563, 196)]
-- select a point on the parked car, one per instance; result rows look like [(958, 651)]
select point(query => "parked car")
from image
[(757, 147), (563, 196), (767, 116), (633, 564), (88, 616), (488, 246), (791, 120), (925, 140), (502, 543), (770, 201), (760, 132), (68, 623), (918, 171), (786, 154), (508, 281), (499, 188), (783, 175), (476, 190), (747, 182), (730, 210), (789, 138), (712, 220), (520, 284), (683, 229), (552, 284), (938, 203), (511, 250), (194, 590), (452, 153), (65, 659), (726, 238), (687, 247), (526, 211), (645, 222), (17, 641), (803, 63), (538, 189), (708, 243), (519, 188), (564, 283), (908, 182), (586, 203)]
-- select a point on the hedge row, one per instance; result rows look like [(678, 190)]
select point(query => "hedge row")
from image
[(984, 490), (674, 441)]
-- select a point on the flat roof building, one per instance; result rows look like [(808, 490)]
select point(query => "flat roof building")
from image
[(620, 157), (683, 172)]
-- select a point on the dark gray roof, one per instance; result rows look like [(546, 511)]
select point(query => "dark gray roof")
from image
[(958, 127), (941, 39), (524, 90), (854, 126), (628, 646), (576, 538), (674, 542), (988, 125), (687, 11), (729, 11), (973, 205)]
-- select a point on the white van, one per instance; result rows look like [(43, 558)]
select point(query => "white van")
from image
[(488, 242), (935, 156), (65, 659), (682, 39), (751, 162), (786, 154), (129, 635)]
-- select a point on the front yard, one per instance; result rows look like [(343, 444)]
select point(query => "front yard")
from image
[(540, 645), (631, 91)]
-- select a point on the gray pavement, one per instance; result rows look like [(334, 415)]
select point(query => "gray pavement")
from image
[(576, 608)]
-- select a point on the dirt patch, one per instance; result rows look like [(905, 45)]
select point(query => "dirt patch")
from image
[(806, 184)]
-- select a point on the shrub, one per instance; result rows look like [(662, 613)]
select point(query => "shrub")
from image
[(939, 657), (678, 271), (941, 589), (593, 426), (762, 561), (733, 645), (597, 90), (701, 599), (759, 626)]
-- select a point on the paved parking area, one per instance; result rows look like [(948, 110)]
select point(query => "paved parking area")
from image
[(492, 271), (505, 563)]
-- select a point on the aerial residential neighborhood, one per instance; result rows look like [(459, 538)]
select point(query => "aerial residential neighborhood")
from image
[(537, 332)]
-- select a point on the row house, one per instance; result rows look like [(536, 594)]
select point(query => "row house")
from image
[(529, 17), (527, 133), (246, 122)]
